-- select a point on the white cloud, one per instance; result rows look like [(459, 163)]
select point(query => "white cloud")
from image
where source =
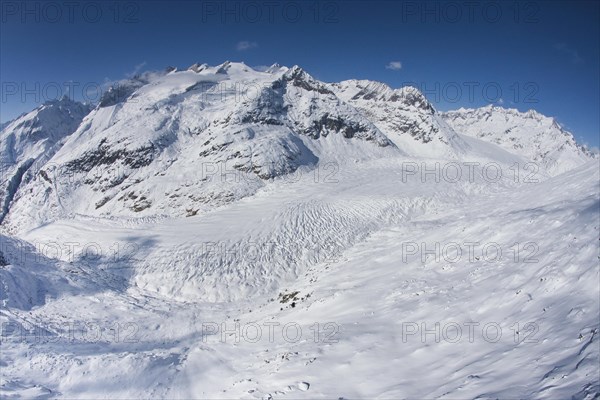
[(500, 101), (569, 52), (261, 68), (394, 65), (246, 45), (136, 70)]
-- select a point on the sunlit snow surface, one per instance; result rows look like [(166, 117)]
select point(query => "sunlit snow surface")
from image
[(360, 275)]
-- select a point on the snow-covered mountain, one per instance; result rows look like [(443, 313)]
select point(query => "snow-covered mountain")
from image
[(153, 144), (178, 143), (539, 138), (366, 235), (30, 140), (405, 116)]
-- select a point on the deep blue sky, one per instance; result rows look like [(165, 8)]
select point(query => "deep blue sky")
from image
[(542, 55)]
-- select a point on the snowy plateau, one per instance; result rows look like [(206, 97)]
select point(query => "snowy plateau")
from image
[(228, 232)]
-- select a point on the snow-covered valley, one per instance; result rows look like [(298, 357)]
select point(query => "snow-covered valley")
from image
[(223, 232)]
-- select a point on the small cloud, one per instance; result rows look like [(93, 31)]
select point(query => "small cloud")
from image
[(136, 70), (394, 65), (500, 101), (246, 45), (571, 53), (260, 68)]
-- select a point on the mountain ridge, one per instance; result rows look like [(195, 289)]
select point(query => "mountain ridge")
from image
[(148, 132)]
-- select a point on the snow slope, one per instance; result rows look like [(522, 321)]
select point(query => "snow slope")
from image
[(27, 143), (406, 117), (530, 134), (167, 295)]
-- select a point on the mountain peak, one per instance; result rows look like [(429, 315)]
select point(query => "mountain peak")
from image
[(230, 66), (197, 67), (368, 90), (296, 72), (531, 134)]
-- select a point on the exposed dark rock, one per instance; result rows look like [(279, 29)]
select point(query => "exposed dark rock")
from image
[(3, 261), (327, 124), (301, 79), (103, 155)]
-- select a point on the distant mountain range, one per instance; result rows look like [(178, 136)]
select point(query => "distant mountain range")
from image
[(152, 142)]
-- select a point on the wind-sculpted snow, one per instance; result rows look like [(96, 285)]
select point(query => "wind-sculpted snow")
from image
[(31, 274), (238, 265), (340, 255)]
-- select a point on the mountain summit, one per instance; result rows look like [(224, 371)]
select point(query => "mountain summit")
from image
[(530, 134)]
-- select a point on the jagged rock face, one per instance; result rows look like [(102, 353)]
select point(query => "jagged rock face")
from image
[(314, 110), (29, 141), (404, 115), (183, 141), (120, 92), (530, 134), (197, 67)]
